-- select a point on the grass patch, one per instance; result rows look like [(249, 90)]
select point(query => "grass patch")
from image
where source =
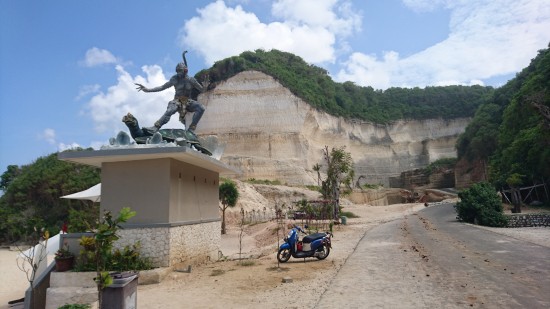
[(313, 188), (263, 181), (247, 263), (348, 214), (217, 272)]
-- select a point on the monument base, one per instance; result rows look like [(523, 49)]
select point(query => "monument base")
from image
[(168, 246), (174, 192)]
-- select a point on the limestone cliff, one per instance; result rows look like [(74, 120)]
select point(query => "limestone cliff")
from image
[(270, 133)]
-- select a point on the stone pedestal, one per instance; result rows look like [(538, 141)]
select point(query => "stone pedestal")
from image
[(174, 191)]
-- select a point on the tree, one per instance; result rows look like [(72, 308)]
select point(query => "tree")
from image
[(32, 196), (228, 197), (104, 237), (510, 131), (524, 137), (339, 170), (8, 176), (317, 168), (34, 260), (480, 204), (514, 181)]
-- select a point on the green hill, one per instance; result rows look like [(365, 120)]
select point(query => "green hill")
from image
[(511, 131), (316, 87), (32, 198)]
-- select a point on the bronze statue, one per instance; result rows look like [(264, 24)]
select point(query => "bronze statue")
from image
[(182, 102), (144, 136)]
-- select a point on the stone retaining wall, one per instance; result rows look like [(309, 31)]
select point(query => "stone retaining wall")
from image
[(168, 246), (528, 220)]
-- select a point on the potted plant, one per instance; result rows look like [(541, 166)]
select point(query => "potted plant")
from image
[(64, 259)]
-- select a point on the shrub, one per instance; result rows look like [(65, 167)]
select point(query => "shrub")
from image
[(255, 181), (348, 214), (126, 259), (481, 205), (448, 163)]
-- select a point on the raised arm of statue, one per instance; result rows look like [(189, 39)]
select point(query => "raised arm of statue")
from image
[(140, 87), (167, 85)]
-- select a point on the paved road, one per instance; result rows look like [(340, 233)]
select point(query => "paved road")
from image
[(429, 260)]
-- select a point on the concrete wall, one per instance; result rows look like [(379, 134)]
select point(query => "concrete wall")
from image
[(194, 194), (177, 216), (163, 192), (142, 185)]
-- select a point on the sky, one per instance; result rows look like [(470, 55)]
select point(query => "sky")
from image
[(68, 68)]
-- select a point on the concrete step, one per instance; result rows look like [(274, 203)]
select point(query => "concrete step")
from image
[(57, 297)]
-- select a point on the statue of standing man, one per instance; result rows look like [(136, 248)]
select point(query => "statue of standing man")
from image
[(182, 102)]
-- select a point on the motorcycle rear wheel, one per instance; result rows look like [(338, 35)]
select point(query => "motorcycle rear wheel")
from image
[(323, 252), (283, 255)]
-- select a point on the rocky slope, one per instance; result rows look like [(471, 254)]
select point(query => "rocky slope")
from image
[(269, 133)]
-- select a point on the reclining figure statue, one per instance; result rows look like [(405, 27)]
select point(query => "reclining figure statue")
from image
[(179, 136)]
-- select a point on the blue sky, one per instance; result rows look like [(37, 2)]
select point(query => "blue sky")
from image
[(67, 67)]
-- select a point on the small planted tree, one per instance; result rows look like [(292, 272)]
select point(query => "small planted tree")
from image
[(339, 171), (480, 204), (31, 260), (241, 234), (228, 197), (317, 168), (105, 235)]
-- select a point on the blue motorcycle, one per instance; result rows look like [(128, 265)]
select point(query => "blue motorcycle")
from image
[(314, 245)]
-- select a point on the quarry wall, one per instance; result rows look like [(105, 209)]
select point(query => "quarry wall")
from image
[(269, 133)]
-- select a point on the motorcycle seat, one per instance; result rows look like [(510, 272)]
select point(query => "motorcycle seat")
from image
[(313, 237)]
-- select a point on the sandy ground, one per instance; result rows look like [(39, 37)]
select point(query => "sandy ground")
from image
[(14, 282), (258, 281)]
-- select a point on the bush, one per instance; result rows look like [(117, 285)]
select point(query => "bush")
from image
[(348, 214), (126, 259), (481, 205)]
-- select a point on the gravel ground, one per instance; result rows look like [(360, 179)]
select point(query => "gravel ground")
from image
[(260, 284)]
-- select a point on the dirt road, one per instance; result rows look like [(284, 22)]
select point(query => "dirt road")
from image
[(428, 260)]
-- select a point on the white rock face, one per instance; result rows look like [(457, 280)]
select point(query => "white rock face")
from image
[(269, 133)]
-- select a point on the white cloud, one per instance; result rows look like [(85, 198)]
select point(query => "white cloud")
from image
[(48, 135), (95, 57), (487, 39), (106, 109), (309, 29), (423, 5), (319, 13), (96, 145), (63, 147), (86, 90)]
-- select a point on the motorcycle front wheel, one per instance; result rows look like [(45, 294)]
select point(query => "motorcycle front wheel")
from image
[(283, 255), (323, 252)]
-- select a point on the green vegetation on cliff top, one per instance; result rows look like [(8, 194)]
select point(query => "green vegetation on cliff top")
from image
[(511, 130), (316, 87)]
